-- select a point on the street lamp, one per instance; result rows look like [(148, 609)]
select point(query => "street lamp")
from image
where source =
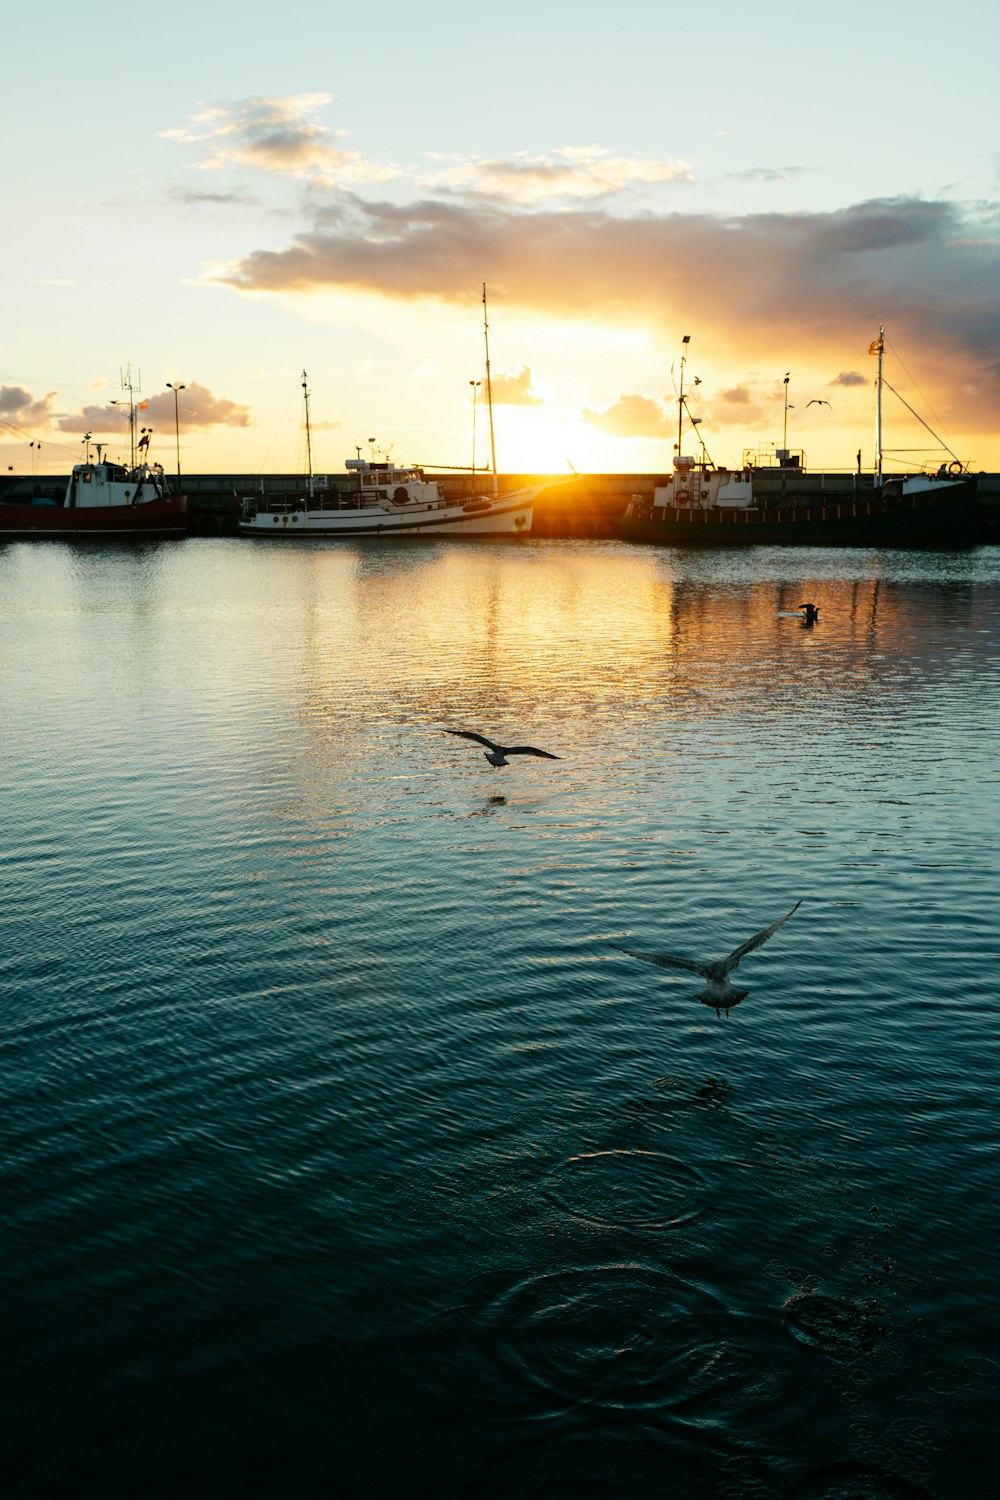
[(177, 428), (784, 433), (475, 386)]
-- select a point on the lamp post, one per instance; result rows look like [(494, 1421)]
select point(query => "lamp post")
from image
[(784, 434), (475, 386), (177, 427)]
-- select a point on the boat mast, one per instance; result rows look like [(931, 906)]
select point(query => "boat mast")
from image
[(309, 451), (877, 348), (680, 399), (489, 396)]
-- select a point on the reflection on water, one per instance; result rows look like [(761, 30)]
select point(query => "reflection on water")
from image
[(339, 1140)]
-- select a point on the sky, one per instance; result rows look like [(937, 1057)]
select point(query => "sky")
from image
[(224, 199)]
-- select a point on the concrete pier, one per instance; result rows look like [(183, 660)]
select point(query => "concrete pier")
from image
[(589, 505)]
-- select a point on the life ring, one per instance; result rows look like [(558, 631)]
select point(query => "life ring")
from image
[(956, 466), (400, 494)]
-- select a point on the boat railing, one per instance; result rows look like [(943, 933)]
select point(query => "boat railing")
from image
[(789, 460), (284, 505)]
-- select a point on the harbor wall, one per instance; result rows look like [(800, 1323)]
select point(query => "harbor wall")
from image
[(587, 505)]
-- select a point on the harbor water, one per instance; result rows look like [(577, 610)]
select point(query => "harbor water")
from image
[(344, 1154)]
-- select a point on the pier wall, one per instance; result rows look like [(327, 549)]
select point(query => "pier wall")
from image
[(589, 505)]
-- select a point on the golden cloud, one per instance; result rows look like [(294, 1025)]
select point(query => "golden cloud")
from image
[(198, 407), (763, 284), (571, 172), (630, 417)]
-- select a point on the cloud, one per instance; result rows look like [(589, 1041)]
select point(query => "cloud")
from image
[(765, 282), (276, 136), (630, 417), (766, 174), (196, 405), (747, 406), (850, 377), (569, 172), (19, 409), (192, 198), (509, 389)]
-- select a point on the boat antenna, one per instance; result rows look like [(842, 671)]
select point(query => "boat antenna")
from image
[(489, 395), (125, 376), (877, 346), (309, 451)]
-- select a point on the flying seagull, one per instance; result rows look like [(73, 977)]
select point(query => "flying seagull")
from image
[(817, 401), (718, 993), (497, 754)]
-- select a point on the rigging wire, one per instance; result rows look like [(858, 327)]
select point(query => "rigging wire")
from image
[(920, 419), (897, 356), (274, 436)]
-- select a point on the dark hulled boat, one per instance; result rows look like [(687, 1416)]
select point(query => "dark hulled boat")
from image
[(921, 511), (700, 504), (101, 499)]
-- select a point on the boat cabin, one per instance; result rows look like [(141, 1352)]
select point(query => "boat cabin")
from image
[(107, 483), (693, 485), (387, 483)]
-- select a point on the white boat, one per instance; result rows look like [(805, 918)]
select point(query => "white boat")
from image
[(387, 499), (383, 499)]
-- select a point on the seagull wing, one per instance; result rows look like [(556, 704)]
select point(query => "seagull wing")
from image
[(666, 960), (730, 963), (529, 750), (480, 739)]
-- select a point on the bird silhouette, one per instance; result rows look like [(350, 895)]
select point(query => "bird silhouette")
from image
[(497, 754), (718, 993), (818, 401)]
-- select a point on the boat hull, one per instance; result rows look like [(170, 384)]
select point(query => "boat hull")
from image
[(924, 520), (501, 520), (151, 518)]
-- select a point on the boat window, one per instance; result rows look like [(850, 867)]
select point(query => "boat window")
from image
[(85, 476)]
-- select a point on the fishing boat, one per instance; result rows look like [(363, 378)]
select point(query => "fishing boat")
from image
[(383, 499), (700, 503), (101, 499)]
